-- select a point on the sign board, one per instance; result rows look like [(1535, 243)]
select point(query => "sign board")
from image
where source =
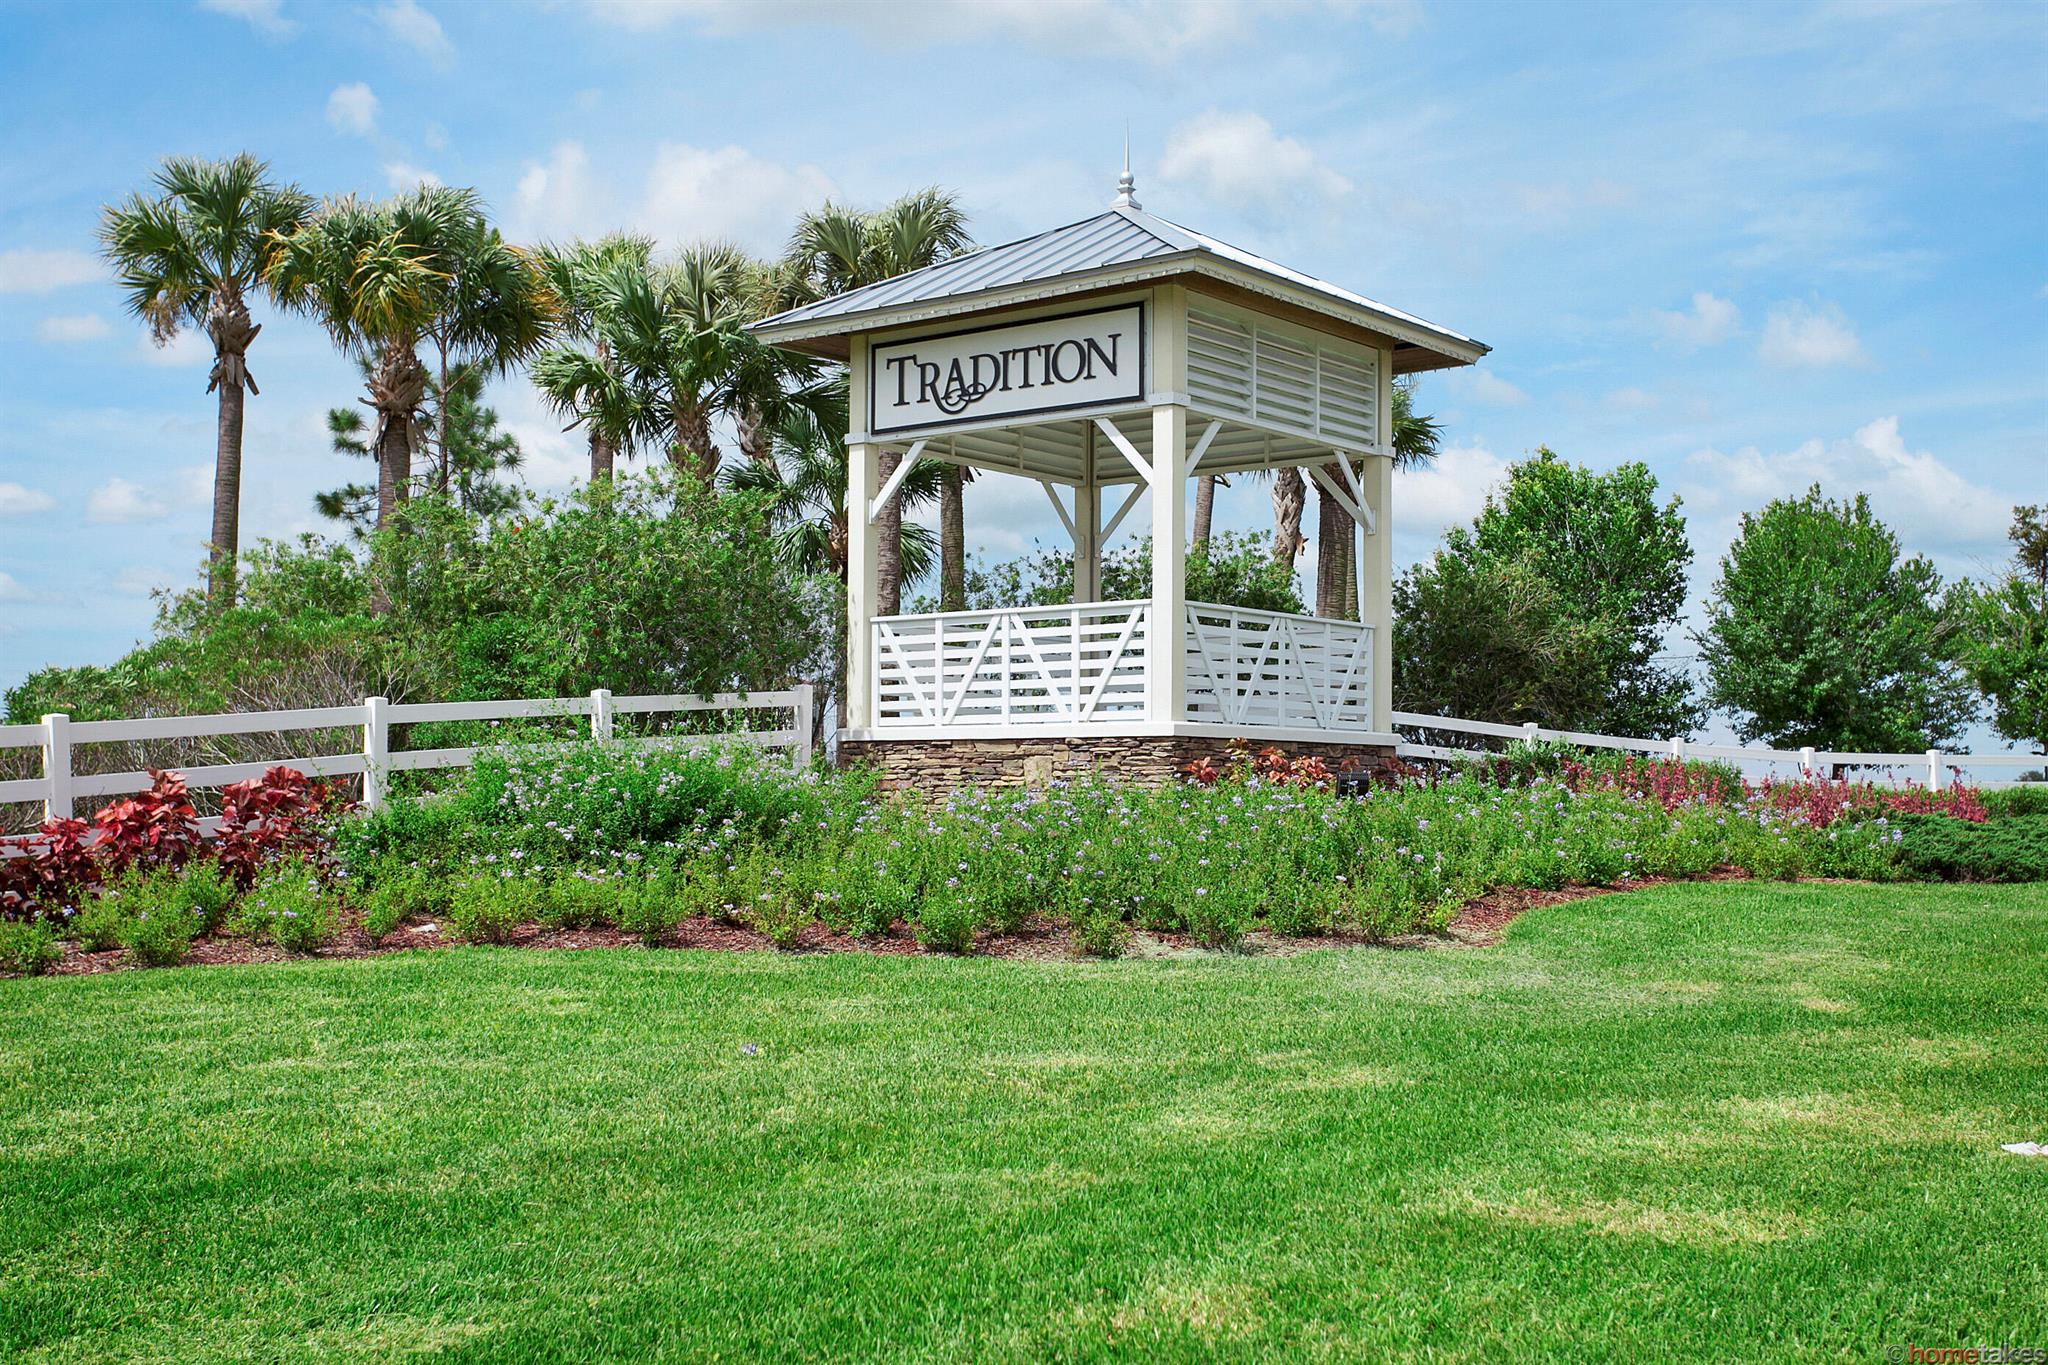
[(1045, 365)]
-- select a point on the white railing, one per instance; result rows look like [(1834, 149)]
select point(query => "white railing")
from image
[(59, 789), (1267, 668), (1089, 664), (1934, 768), (1078, 664)]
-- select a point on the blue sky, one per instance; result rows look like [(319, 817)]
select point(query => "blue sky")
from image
[(1754, 246)]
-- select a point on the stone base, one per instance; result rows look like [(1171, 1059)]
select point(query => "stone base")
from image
[(936, 767)]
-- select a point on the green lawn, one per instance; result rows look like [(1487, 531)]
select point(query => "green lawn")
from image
[(1754, 1120)]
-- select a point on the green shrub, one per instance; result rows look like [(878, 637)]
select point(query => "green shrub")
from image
[(289, 907), (1304, 909), (208, 893), (404, 891), (2003, 802), (29, 947), (98, 922), (159, 934), (1101, 934), (487, 909), (946, 921), (2013, 849), (580, 900)]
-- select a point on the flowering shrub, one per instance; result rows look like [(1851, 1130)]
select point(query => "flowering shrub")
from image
[(291, 907), (276, 816), (154, 828), (29, 947)]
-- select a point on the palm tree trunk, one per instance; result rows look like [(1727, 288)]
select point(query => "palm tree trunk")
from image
[(889, 541), (952, 540), (1329, 556), (397, 387), (441, 417), (694, 449), (755, 447), (1205, 507), (600, 456), (231, 329), (1289, 493), (227, 499)]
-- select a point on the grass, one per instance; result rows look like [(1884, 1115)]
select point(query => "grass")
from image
[(1757, 1120)]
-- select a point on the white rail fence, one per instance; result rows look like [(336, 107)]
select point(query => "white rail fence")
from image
[(60, 789), (1933, 767), (1090, 664), (1269, 668)]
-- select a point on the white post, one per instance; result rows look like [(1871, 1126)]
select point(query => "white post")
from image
[(1088, 525), (1678, 747), (1529, 729), (863, 563), (1934, 766), (1376, 567), (376, 753), (1806, 757), (57, 766), (803, 719), (1166, 653), (1166, 649), (600, 714)]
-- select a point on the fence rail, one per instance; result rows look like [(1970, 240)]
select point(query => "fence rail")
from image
[(1934, 766), (59, 789)]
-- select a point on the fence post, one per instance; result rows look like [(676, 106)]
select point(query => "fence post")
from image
[(1934, 770), (1806, 757), (601, 714), (376, 752), (1529, 731), (57, 766), (1678, 747), (800, 751)]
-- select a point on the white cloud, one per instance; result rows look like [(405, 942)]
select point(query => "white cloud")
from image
[(1930, 505), (11, 590), (28, 271), (1798, 336), (1708, 322), (352, 108), (695, 193), (186, 349), (1448, 493), (117, 502), (405, 21), (1484, 386), (265, 16), (1156, 31), (1239, 161), (70, 329), (559, 197), (403, 175), (19, 501)]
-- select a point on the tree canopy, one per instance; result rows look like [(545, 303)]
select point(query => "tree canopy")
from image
[(1819, 632)]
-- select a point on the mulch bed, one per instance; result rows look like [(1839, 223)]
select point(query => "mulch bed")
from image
[(1479, 923)]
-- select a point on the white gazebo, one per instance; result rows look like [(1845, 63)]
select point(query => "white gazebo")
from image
[(1113, 360)]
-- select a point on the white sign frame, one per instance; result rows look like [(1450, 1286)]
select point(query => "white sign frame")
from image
[(925, 362)]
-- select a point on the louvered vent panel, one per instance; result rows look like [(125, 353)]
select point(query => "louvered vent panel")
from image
[(1219, 362), (1286, 379)]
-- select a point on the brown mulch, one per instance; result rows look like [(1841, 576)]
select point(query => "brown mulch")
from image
[(1479, 923)]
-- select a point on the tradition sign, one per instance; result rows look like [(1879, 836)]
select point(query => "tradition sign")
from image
[(1046, 365)]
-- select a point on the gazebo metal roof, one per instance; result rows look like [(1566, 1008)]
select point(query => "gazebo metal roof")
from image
[(1122, 245)]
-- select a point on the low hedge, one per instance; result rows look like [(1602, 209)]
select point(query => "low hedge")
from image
[(2011, 849)]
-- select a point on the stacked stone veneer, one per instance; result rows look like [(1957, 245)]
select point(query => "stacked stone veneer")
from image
[(938, 766)]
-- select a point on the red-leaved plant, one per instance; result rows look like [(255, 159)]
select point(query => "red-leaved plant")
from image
[(264, 818)]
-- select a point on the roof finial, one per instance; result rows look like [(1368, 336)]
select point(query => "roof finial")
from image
[(1125, 184)]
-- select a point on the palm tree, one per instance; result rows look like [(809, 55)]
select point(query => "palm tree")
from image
[(836, 249), (189, 257), (382, 277), (577, 377), (1416, 438)]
